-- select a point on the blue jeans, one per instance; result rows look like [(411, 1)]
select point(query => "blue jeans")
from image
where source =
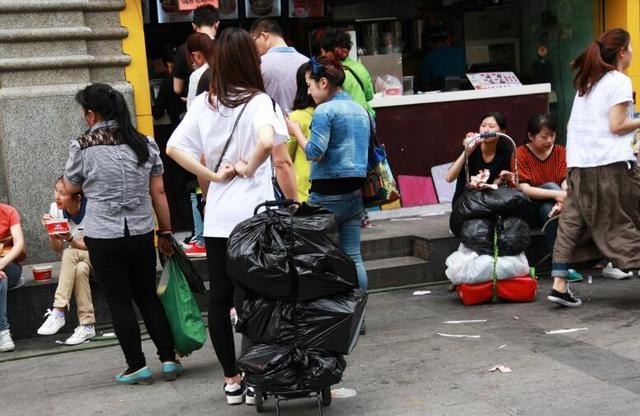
[(198, 225), (541, 209), (349, 210), (13, 272)]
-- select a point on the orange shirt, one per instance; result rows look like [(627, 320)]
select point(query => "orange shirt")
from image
[(537, 172), (8, 217)]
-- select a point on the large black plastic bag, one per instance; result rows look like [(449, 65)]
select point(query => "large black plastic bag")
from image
[(331, 323), (507, 202), (514, 236), (322, 369), (477, 235), (272, 367), (267, 251)]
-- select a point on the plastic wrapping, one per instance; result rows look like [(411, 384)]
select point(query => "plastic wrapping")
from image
[(477, 235), (331, 323), (272, 367), (466, 266), (514, 236), (188, 269), (278, 368), (322, 369), (516, 289), (266, 254), (187, 327), (506, 202)]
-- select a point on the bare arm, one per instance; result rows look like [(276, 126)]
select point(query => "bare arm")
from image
[(458, 165), (539, 193), (160, 205), (17, 249), (203, 183), (261, 152), (284, 171), (193, 165), (619, 123), (178, 86), (455, 169)]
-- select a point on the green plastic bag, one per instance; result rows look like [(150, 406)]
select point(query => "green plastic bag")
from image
[(187, 326)]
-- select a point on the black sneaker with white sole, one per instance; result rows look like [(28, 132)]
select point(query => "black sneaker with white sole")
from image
[(564, 299), (235, 393)]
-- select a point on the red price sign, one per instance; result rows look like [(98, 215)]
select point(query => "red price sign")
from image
[(194, 4)]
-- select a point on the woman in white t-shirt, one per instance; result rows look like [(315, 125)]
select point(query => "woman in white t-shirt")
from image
[(75, 268), (601, 214), (200, 50), (235, 128)]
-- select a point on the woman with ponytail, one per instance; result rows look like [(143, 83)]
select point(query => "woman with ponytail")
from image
[(601, 215), (335, 44), (120, 172)]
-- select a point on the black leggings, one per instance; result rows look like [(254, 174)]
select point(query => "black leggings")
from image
[(221, 299), (126, 269)]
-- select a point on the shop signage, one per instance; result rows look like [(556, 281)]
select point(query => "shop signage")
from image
[(490, 80), (194, 4)]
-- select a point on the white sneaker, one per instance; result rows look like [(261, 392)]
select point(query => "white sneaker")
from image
[(6, 343), (250, 397), (615, 273), (52, 324), (81, 334), (235, 393)]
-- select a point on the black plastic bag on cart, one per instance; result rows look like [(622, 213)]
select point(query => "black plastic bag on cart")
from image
[(188, 269), (507, 202), (322, 368), (330, 323), (477, 235), (271, 367), (267, 253), (514, 236)]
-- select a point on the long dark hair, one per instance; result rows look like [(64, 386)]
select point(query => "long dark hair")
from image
[(599, 58), (199, 42), (302, 99), (110, 104), (236, 76)]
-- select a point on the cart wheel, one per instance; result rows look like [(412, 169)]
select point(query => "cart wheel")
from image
[(259, 402), (326, 396)]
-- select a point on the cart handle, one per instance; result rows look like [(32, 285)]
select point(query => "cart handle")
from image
[(267, 204), (481, 137)]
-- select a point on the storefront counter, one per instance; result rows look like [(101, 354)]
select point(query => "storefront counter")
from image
[(421, 131)]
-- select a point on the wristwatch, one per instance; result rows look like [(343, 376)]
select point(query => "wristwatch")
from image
[(70, 239)]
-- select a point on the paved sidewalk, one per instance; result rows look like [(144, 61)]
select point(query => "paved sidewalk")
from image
[(403, 367)]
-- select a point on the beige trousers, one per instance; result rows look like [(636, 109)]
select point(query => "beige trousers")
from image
[(74, 278)]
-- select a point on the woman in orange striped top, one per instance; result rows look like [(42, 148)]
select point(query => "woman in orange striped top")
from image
[(542, 166)]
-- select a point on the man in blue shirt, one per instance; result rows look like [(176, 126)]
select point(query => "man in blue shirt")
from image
[(442, 61)]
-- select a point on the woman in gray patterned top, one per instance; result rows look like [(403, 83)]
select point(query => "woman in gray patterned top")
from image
[(120, 171)]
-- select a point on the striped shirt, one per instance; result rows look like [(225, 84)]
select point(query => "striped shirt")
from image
[(116, 187), (537, 172)]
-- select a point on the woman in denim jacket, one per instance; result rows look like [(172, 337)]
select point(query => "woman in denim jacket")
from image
[(338, 144)]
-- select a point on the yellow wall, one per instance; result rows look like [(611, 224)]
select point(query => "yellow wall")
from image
[(136, 73), (626, 14)]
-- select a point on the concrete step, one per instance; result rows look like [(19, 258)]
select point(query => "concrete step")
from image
[(398, 271)]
